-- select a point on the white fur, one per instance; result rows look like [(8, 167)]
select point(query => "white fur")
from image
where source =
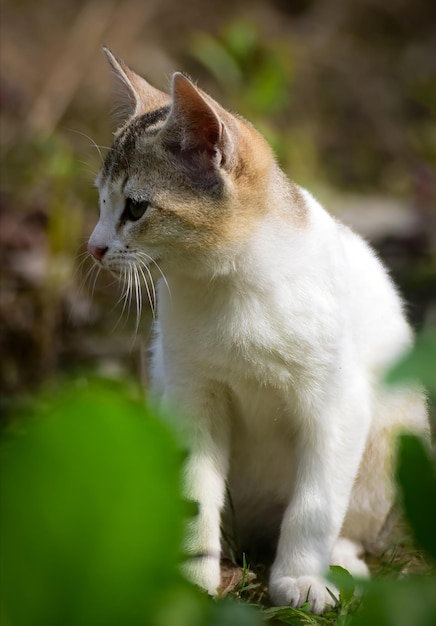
[(278, 358), (273, 350)]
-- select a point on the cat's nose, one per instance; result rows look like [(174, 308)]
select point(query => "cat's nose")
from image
[(97, 252)]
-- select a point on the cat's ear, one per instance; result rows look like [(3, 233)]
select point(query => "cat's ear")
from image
[(136, 94), (200, 123)]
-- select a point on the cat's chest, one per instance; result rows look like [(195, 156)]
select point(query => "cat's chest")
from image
[(236, 338)]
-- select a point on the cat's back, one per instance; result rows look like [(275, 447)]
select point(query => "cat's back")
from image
[(376, 310)]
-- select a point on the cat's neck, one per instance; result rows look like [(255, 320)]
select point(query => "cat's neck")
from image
[(267, 229)]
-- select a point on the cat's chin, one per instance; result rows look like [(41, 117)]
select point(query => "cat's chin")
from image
[(116, 272)]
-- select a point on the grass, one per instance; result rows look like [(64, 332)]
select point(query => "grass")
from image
[(399, 561)]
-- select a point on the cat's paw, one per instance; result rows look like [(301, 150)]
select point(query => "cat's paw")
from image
[(288, 591), (205, 572), (347, 554)]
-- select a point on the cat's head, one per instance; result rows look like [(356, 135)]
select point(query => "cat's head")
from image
[(184, 181)]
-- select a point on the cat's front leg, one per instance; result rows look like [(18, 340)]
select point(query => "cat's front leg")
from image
[(204, 480), (329, 447), (201, 407)]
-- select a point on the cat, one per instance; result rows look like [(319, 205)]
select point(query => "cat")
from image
[(275, 326)]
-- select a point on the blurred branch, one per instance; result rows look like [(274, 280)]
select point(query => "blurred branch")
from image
[(60, 87)]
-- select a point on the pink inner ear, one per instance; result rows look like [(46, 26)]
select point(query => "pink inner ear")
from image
[(208, 131), (200, 124)]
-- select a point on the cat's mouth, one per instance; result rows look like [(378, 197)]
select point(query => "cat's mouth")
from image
[(142, 269), (119, 267), (137, 276)]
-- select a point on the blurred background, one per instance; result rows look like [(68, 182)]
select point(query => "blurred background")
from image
[(344, 91)]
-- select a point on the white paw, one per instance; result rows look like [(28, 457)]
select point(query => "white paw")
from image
[(204, 572), (288, 591), (346, 553), (355, 566)]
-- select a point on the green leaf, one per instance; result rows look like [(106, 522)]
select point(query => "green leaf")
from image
[(343, 581), (228, 612), (241, 39), (220, 63), (91, 519), (268, 90), (419, 365), (344, 620), (91, 516), (295, 617), (409, 602), (417, 479)]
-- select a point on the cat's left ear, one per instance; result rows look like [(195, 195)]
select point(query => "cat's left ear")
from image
[(137, 96), (201, 124)]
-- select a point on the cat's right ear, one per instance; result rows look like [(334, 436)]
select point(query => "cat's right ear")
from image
[(137, 96)]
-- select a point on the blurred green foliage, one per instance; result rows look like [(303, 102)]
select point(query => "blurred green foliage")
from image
[(84, 524), (256, 71), (416, 475), (44, 221), (256, 76), (419, 365), (411, 600), (345, 96), (91, 519)]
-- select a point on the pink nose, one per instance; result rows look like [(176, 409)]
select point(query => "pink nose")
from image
[(97, 251)]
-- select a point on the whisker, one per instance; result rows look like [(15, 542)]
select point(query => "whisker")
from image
[(127, 286), (130, 287), (151, 298), (79, 255), (134, 273), (95, 280), (123, 296), (80, 247), (91, 173), (79, 267), (151, 260), (115, 281), (96, 146), (138, 298), (86, 280)]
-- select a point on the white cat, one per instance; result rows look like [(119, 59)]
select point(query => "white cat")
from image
[(274, 331)]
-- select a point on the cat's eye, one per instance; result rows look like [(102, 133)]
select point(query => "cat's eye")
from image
[(134, 210)]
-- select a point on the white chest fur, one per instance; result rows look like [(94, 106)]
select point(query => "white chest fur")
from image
[(276, 362)]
